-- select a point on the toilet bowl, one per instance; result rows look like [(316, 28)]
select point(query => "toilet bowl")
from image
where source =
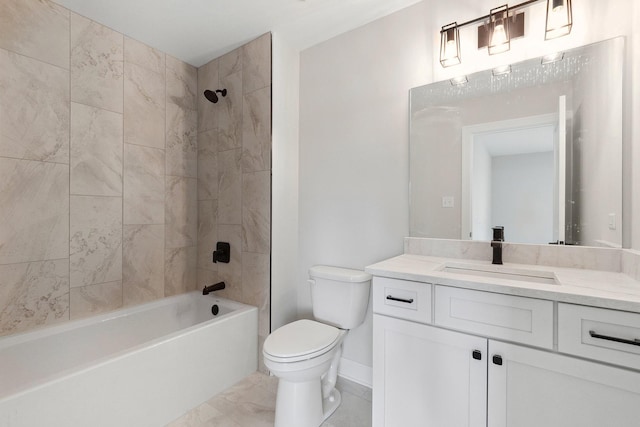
[(305, 354), (301, 355)]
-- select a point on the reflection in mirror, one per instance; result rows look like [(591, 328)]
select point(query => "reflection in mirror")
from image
[(537, 150)]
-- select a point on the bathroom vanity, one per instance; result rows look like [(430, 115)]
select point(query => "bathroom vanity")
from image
[(552, 337), (460, 342)]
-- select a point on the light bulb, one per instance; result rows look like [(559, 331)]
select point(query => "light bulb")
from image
[(499, 36), (451, 49)]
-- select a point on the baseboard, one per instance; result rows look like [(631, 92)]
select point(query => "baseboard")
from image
[(356, 372)]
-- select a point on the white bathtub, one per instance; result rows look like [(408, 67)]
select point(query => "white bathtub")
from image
[(140, 366)]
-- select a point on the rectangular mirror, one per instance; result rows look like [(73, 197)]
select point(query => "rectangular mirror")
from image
[(535, 147)]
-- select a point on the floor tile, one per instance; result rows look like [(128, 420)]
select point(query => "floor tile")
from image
[(251, 403)]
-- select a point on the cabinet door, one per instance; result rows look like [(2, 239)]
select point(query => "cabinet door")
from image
[(427, 376), (533, 388)]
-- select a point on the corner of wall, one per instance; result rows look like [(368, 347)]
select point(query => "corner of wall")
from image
[(284, 226), (634, 71)]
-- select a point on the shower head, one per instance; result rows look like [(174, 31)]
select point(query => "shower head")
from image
[(211, 95)]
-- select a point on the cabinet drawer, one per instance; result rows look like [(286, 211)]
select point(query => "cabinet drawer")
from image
[(402, 298), (601, 334), (524, 320)]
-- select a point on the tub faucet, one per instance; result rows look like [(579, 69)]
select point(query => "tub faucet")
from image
[(496, 244), (211, 288)]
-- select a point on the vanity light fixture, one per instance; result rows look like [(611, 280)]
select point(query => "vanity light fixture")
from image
[(559, 19), (499, 36), (501, 25), (450, 45)]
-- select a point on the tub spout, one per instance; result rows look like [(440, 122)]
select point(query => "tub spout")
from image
[(211, 288)]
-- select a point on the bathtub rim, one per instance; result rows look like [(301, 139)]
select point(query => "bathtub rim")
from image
[(239, 309)]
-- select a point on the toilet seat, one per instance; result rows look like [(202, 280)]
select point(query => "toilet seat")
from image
[(300, 340)]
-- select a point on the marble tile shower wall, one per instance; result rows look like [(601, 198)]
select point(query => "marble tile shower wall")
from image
[(98, 168), (234, 175)]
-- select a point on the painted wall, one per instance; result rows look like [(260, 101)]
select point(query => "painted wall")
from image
[(234, 175), (284, 152), (631, 156), (354, 118), (353, 150)]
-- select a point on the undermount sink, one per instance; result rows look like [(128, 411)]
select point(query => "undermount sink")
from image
[(501, 272)]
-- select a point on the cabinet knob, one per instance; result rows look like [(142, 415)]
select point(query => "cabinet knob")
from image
[(477, 354), (497, 360)]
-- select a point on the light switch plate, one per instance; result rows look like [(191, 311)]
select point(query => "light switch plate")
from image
[(447, 201)]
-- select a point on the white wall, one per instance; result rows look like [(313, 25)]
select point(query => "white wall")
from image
[(353, 170), (631, 193), (284, 186), (353, 149)]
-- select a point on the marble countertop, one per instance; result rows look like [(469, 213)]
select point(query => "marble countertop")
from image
[(577, 286)]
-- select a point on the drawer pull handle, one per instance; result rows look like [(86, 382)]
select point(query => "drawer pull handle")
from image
[(616, 339), (407, 301)]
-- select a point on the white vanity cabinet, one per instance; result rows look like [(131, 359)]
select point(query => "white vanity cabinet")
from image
[(534, 388), (426, 374), (423, 375)]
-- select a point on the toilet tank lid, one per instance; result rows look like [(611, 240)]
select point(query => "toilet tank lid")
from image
[(338, 273)]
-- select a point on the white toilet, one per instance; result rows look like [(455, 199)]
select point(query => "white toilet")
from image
[(304, 355)]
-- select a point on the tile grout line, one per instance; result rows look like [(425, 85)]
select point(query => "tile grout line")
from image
[(164, 179), (69, 175), (124, 55)]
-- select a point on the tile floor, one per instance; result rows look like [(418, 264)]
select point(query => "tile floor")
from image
[(251, 403)]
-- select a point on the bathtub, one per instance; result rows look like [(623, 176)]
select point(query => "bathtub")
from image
[(139, 366)]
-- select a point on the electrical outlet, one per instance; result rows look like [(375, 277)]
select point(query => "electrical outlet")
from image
[(447, 201)]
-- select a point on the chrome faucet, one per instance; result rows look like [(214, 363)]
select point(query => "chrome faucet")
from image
[(496, 244), (211, 288)]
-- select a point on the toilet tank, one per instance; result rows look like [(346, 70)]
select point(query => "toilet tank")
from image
[(339, 295)]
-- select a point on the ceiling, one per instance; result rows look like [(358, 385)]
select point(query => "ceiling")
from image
[(197, 31)]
